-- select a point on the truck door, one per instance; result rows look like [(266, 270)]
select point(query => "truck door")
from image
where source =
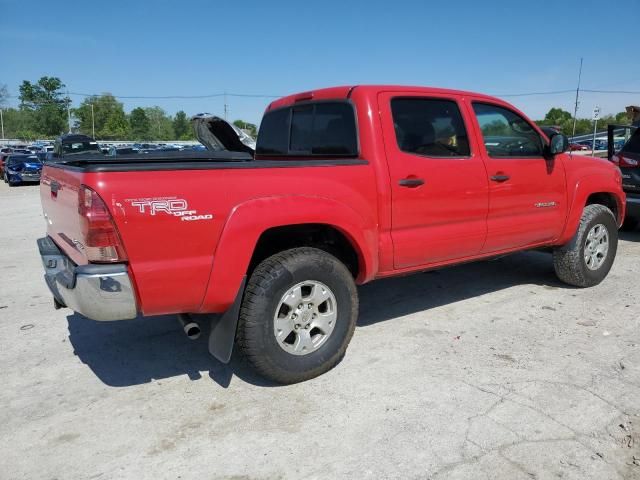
[(438, 180), (527, 192)]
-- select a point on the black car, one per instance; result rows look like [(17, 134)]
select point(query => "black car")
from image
[(74, 144), (21, 169), (628, 160)]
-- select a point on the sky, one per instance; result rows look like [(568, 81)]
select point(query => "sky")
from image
[(199, 47)]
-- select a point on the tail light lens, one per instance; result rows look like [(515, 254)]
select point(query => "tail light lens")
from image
[(101, 240)]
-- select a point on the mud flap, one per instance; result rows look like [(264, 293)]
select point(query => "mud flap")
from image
[(223, 332)]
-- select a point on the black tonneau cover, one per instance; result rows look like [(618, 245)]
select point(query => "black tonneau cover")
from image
[(227, 160)]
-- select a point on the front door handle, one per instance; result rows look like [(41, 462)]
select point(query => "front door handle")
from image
[(500, 178), (411, 182)]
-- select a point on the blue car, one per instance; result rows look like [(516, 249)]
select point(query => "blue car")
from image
[(21, 169)]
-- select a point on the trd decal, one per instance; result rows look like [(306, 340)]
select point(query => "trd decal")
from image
[(177, 207)]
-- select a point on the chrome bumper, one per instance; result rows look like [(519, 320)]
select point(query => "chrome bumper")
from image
[(99, 292)]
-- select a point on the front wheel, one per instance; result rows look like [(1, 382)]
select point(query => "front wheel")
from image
[(298, 315), (586, 260)]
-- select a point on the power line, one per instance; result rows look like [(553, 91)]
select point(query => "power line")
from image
[(168, 97), (261, 95), (625, 92), (556, 92)]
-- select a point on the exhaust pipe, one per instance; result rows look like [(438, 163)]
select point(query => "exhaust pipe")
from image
[(190, 327)]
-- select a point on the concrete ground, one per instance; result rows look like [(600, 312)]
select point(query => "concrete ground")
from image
[(492, 370)]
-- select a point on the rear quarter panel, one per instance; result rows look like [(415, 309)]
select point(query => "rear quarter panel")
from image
[(172, 258)]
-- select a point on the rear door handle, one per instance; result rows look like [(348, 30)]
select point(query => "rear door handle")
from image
[(411, 182), (500, 178)]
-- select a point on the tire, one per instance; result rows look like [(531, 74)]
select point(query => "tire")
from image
[(569, 260), (277, 280)]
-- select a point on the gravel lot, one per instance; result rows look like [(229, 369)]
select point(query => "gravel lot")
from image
[(483, 371)]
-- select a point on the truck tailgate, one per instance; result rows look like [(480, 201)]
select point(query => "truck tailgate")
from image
[(59, 195)]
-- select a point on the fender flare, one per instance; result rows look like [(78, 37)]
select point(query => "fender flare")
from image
[(585, 187), (249, 220)]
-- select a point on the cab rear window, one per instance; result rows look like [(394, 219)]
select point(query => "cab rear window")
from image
[(321, 129)]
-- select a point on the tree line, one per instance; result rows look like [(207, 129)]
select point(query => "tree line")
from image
[(556, 117), (44, 112)]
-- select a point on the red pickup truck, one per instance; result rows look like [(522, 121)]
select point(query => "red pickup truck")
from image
[(346, 185)]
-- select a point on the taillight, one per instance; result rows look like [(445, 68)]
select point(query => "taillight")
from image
[(101, 240)]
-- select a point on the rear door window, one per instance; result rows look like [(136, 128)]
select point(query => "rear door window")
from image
[(322, 129), (429, 126)]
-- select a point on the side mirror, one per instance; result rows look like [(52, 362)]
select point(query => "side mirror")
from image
[(558, 143)]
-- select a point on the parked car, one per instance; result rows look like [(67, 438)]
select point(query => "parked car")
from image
[(332, 197), (22, 169), (627, 158), (577, 147), (115, 151), (4, 153), (70, 145)]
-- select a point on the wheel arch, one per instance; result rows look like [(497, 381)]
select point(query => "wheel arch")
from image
[(589, 191), (260, 227)]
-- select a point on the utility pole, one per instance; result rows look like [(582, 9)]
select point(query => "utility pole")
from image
[(2, 123), (226, 107), (68, 101), (575, 110), (93, 124)]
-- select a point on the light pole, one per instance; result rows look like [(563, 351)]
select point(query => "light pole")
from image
[(93, 124), (2, 124)]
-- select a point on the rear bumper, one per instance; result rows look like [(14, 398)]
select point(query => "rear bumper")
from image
[(99, 292)]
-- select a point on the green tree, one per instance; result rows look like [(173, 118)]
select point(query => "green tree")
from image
[(108, 115), (557, 116), (181, 126), (139, 124), (44, 99), (4, 95), (161, 124), (18, 124), (116, 127)]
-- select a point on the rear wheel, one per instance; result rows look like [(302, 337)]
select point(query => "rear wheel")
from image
[(586, 260), (298, 315)]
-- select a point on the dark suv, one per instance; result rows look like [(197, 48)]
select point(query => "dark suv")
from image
[(628, 159)]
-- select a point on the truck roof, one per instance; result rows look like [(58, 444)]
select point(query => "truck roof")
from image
[(345, 91)]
